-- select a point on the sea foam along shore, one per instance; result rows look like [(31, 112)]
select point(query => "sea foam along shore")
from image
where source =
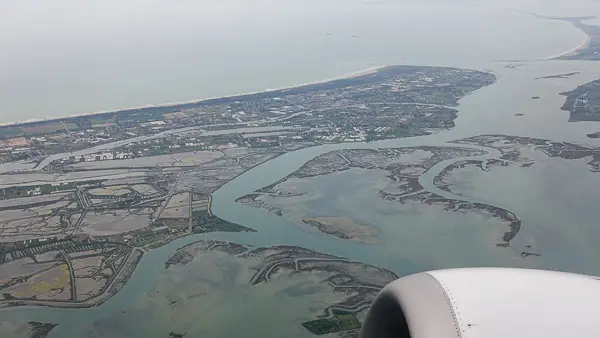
[(366, 71)]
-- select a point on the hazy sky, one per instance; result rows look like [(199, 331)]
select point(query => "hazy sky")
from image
[(62, 57)]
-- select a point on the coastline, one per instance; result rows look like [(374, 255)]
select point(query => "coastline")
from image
[(573, 51), (362, 72)]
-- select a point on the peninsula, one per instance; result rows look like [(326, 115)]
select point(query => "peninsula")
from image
[(583, 102)]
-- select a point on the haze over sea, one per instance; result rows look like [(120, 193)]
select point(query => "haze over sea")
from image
[(67, 57)]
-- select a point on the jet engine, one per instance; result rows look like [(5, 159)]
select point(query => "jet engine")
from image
[(486, 303)]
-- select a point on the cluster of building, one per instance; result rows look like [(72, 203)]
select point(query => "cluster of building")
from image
[(354, 110), (37, 191), (14, 146), (581, 102), (100, 156)]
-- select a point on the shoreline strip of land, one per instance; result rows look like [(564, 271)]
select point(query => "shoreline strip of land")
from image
[(362, 72), (573, 51)]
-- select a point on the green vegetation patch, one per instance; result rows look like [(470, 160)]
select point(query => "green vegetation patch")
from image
[(341, 321), (203, 222), (349, 321)]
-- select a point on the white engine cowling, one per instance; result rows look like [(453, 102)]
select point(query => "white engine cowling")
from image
[(486, 303)]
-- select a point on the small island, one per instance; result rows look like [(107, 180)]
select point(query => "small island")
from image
[(353, 284), (404, 167), (558, 76), (343, 227), (594, 135), (26, 330), (514, 150)]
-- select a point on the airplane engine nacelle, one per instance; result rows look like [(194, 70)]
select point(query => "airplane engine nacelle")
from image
[(486, 303)]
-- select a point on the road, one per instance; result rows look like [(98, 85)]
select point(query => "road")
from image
[(171, 193), (191, 213), (71, 275), (100, 298), (209, 205), (268, 268), (344, 158)]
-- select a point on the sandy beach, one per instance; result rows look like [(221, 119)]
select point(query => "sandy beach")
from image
[(362, 72), (573, 51)]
